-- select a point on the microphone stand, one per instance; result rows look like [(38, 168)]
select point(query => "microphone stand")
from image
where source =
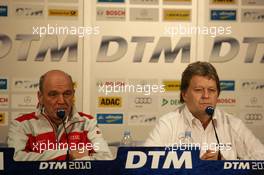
[(210, 111), (61, 115)]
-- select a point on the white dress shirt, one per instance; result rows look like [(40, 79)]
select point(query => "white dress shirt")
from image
[(239, 140)]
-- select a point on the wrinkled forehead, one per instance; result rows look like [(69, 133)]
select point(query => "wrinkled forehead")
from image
[(57, 79)]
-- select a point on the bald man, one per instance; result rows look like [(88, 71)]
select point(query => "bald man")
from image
[(56, 127)]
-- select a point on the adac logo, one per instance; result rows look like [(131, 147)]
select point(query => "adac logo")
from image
[(109, 118), (3, 11), (3, 84), (223, 15), (109, 101), (227, 85), (253, 116), (170, 102), (171, 85)]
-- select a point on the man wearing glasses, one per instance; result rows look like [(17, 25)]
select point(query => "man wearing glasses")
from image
[(56, 131)]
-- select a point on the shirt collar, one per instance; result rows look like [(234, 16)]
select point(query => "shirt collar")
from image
[(191, 119)]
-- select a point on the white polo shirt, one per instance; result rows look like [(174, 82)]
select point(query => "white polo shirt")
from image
[(232, 132)]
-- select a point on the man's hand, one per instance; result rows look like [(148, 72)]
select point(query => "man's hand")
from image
[(78, 154), (210, 155)]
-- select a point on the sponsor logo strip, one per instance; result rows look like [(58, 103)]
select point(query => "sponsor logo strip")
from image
[(144, 14), (3, 10), (63, 12), (3, 84), (224, 2), (110, 102), (171, 85), (110, 14), (252, 15), (178, 2), (115, 1), (223, 15), (227, 85), (252, 2), (149, 2), (176, 15), (3, 118), (109, 118)]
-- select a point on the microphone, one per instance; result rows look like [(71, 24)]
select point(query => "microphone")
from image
[(61, 115), (210, 112)]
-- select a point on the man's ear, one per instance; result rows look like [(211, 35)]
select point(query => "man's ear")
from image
[(40, 98), (183, 94)]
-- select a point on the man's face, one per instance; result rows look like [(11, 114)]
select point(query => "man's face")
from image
[(202, 92), (58, 93)]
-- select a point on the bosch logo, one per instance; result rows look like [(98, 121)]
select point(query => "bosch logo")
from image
[(115, 12), (143, 100), (253, 116), (3, 100)]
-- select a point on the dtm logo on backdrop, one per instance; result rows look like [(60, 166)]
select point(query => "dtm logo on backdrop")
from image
[(183, 46), (48, 44)]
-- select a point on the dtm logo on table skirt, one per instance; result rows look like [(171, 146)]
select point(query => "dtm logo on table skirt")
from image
[(139, 159)]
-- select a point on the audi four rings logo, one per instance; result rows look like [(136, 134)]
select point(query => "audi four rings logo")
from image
[(143, 100), (253, 116)]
